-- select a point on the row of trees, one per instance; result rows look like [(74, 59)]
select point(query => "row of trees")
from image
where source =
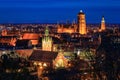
[(14, 67)]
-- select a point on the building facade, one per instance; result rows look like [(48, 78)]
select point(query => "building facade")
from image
[(47, 41), (67, 28)]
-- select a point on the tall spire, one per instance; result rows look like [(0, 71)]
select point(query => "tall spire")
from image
[(46, 31)]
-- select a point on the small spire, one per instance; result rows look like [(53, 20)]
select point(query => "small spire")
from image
[(103, 20), (46, 31)]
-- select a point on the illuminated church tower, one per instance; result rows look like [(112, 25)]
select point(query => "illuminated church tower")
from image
[(82, 23), (103, 24), (47, 41)]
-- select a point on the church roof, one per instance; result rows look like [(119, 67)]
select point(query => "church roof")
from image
[(30, 36), (43, 56)]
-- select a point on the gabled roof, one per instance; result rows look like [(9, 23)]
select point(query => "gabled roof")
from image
[(43, 56), (32, 36)]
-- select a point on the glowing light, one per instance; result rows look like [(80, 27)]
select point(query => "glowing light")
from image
[(78, 53), (19, 70), (81, 11), (45, 65), (40, 64), (41, 67), (35, 63), (69, 64)]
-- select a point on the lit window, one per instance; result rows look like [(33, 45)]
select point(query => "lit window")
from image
[(40, 64), (45, 65), (35, 63)]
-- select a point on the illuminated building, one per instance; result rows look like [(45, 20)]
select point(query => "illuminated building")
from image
[(82, 23), (60, 60), (103, 24), (33, 37), (8, 40), (42, 60), (4, 32), (67, 28), (47, 41)]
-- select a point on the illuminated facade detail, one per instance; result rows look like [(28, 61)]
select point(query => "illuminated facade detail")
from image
[(55, 47), (13, 41), (33, 37), (82, 23), (103, 24), (68, 28), (9, 40), (60, 60), (4, 32), (47, 41)]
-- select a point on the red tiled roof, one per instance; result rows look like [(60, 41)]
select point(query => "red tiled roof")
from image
[(30, 36), (43, 56)]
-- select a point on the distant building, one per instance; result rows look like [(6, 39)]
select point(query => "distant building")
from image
[(67, 28), (47, 42), (82, 23), (10, 32), (4, 32), (8, 40), (103, 27)]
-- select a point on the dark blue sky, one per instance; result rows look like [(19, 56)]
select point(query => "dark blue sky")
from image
[(52, 11)]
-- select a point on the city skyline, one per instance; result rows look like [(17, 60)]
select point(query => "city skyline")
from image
[(45, 11)]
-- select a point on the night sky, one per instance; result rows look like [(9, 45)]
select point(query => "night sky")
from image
[(53, 11)]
